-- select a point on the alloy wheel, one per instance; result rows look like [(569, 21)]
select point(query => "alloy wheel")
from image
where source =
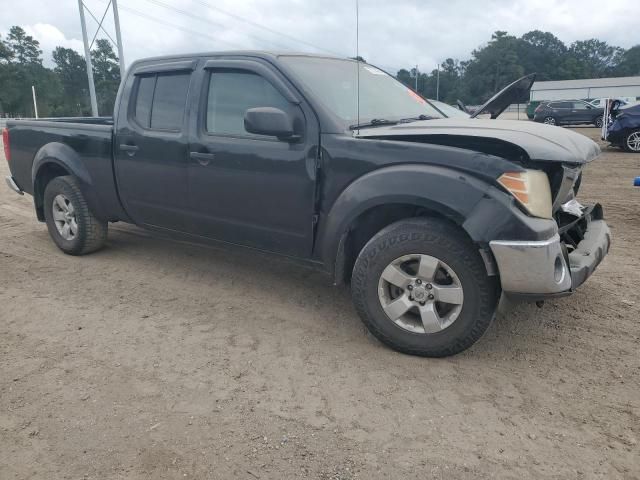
[(420, 293), (64, 216), (633, 141)]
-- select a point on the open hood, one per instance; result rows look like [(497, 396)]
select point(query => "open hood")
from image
[(517, 92), (538, 141)]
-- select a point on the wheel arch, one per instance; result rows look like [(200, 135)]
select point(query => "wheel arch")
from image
[(53, 160), (388, 195)]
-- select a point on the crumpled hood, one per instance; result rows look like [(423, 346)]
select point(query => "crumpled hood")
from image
[(539, 141)]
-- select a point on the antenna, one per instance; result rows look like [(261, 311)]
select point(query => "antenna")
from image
[(358, 65)]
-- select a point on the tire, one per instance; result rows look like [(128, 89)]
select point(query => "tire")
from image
[(598, 121), (632, 142), (89, 233), (550, 120), (457, 259)]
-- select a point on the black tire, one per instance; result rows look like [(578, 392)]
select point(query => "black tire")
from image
[(445, 242), (550, 120), (91, 232), (626, 142), (598, 121)]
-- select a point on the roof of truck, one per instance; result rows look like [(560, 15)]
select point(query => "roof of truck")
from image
[(266, 54)]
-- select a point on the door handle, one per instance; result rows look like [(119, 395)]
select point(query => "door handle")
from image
[(203, 159), (130, 149)]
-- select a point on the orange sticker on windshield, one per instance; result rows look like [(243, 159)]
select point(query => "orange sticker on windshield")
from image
[(416, 96)]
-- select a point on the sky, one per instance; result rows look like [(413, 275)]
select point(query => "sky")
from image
[(393, 33)]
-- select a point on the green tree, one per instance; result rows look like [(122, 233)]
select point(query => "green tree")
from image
[(106, 74), (593, 58), (629, 64), (24, 48), (72, 74), (492, 66)]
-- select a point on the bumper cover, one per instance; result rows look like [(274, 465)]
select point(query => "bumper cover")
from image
[(542, 269), (12, 185)]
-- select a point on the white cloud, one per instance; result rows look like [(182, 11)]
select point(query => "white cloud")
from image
[(51, 37), (393, 34)]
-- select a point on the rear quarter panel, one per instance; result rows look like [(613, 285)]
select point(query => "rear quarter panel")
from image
[(83, 149)]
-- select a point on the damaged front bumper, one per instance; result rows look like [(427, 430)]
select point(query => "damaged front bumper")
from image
[(535, 270)]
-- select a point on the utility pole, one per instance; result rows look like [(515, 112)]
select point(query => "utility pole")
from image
[(416, 78), (438, 83), (87, 58), (116, 21), (35, 104)]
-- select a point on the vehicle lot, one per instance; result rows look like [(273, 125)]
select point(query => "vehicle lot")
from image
[(160, 359)]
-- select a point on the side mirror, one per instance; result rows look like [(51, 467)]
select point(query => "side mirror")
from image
[(270, 121)]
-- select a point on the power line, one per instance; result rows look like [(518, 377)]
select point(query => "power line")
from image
[(138, 13), (209, 22), (177, 27), (263, 27)]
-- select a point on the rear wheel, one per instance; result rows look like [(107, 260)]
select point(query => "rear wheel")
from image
[(549, 120), (598, 121), (71, 224), (422, 288), (632, 142)]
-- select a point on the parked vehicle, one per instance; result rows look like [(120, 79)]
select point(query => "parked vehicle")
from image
[(531, 108), (428, 218), (625, 101), (568, 112), (624, 130)]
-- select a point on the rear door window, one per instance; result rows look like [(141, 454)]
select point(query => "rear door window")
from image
[(161, 99)]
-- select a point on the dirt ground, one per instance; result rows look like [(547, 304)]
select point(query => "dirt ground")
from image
[(157, 359)]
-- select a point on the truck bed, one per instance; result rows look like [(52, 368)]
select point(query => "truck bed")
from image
[(88, 140)]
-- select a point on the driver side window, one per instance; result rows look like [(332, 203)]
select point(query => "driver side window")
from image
[(231, 94)]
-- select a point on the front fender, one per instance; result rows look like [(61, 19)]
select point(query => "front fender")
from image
[(451, 193)]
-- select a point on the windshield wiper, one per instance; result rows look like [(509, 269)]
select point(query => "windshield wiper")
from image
[(373, 123), (415, 119)]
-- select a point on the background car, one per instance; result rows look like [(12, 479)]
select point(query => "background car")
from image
[(624, 131), (531, 108), (625, 101), (568, 112)]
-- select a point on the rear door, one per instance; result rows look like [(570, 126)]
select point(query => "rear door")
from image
[(249, 189), (582, 113), (150, 146), (562, 111)]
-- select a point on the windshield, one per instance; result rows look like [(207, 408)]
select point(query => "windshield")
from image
[(334, 82), (448, 110)]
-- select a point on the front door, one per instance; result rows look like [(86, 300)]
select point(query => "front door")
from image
[(249, 189), (150, 147)]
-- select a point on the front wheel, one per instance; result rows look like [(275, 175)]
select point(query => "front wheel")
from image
[(71, 224), (421, 287), (632, 142), (598, 121)]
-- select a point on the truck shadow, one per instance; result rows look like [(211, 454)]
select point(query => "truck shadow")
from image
[(289, 290)]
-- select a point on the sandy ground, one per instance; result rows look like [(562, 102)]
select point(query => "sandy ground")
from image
[(158, 359)]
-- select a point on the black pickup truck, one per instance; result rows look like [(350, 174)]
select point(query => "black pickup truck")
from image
[(428, 218)]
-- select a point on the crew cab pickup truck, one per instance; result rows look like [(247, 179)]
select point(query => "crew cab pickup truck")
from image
[(428, 218)]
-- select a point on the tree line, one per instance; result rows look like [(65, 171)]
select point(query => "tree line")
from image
[(62, 90), (506, 57)]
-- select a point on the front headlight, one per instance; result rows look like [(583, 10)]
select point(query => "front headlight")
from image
[(531, 189)]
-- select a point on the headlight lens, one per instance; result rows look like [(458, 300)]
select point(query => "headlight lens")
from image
[(531, 189)]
